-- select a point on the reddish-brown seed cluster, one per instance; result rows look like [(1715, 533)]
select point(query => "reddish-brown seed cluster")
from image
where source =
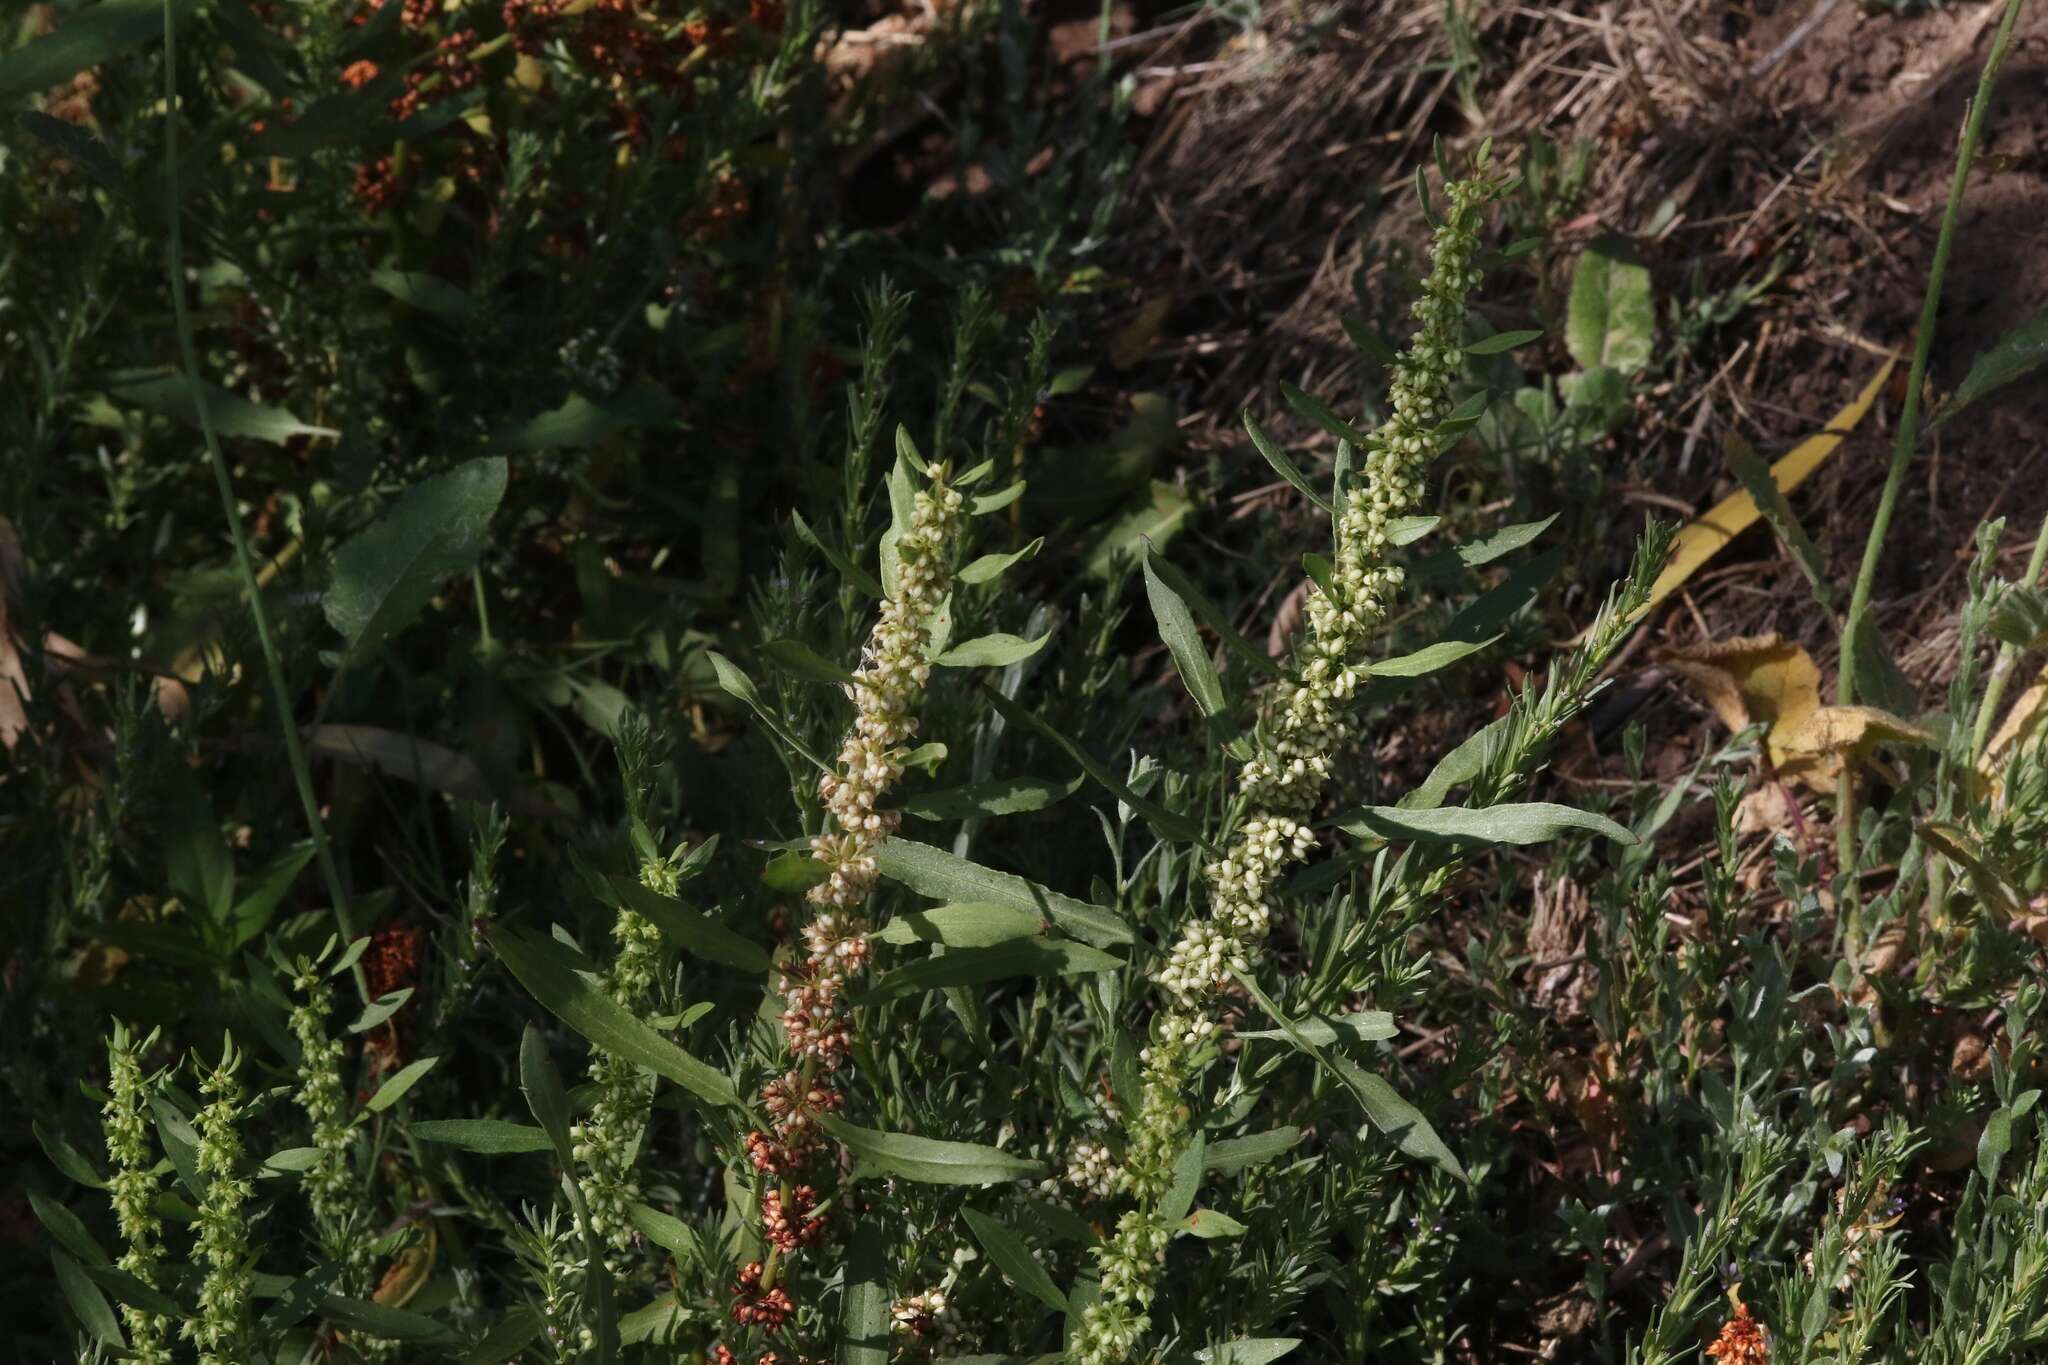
[(753, 1306), (789, 1228), (356, 75)]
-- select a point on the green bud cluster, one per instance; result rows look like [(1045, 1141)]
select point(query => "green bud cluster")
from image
[(133, 1186), (223, 1245), (1305, 729), (328, 1182)]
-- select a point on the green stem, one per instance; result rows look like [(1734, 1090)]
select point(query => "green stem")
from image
[(2001, 671), (301, 774), (1902, 453)]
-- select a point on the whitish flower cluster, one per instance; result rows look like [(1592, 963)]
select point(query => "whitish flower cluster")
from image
[(1306, 726), (607, 1142), (324, 1099), (133, 1187), (223, 1242), (1092, 1169), (817, 1027), (929, 1316)]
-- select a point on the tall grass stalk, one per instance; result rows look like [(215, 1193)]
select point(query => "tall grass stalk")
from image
[(245, 563), (1902, 452)]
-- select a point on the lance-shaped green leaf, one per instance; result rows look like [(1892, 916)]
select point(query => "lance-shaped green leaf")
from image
[(1249, 1351), (864, 1321), (1169, 824), (669, 1233), (794, 656), (1485, 550), (1425, 661), (88, 1304), (489, 1137), (1369, 1026), (1384, 1108), (1017, 957), (67, 1158), (393, 1090), (545, 1096), (1209, 1224), (963, 926), (930, 1161), (988, 566), (541, 967), (84, 39), (941, 876), (1524, 822), (856, 576), (129, 1289), (386, 574), (734, 680), (170, 395), (1208, 614), (1283, 464), (1228, 1156), (1187, 1180), (380, 1009), (65, 1229), (991, 651), (691, 931), (377, 1320), (2018, 352), (1014, 1259), (1183, 641), (507, 1338), (1504, 341), (1319, 412), (996, 501), (995, 797), (1408, 530)]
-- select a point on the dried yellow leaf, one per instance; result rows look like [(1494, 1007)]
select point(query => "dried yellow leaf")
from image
[(1703, 539)]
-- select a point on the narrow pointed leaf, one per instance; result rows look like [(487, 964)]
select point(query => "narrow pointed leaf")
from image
[(988, 566), (1427, 660), (856, 576), (1014, 1259), (690, 930), (930, 1161), (1209, 615), (1184, 642), (490, 1137), (1504, 341), (1319, 412), (1526, 822), (996, 797), (385, 575), (970, 966), (939, 875), (1166, 822), (963, 926), (1284, 465), (393, 1090)]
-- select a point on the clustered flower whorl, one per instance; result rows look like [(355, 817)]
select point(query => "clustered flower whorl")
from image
[(816, 1024), (133, 1187), (1305, 728), (328, 1183), (223, 1242)]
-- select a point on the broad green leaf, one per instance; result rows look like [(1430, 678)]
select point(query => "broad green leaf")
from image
[(1228, 1156), (1993, 1143), (963, 926), (1457, 767), (997, 796), (1611, 319), (83, 38), (693, 932), (1209, 1224), (1408, 530), (374, 1319), (2018, 352), (734, 681), (1525, 822), (1017, 957), (1187, 1181), (1014, 1259), (1320, 413), (127, 1288), (658, 1321), (88, 1304), (794, 656), (1168, 823), (393, 1090), (1503, 341), (583, 421), (65, 1228), (1429, 659), (1153, 524), (428, 293), (181, 1143), (1370, 1026), (988, 566), (856, 576), (507, 1339), (1283, 464), (386, 574), (941, 876), (1207, 613), (170, 395), (996, 501), (1249, 1351), (2020, 617), (1184, 642), (292, 1160), (864, 1321), (545, 1097), (1387, 1111), (991, 651), (794, 870), (491, 1137), (1485, 550), (66, 1158), (930, 1161), (585, 1007), (669, 1233), (380, 1009)]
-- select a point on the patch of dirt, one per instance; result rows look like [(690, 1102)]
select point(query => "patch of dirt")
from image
[(1274, 196)]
